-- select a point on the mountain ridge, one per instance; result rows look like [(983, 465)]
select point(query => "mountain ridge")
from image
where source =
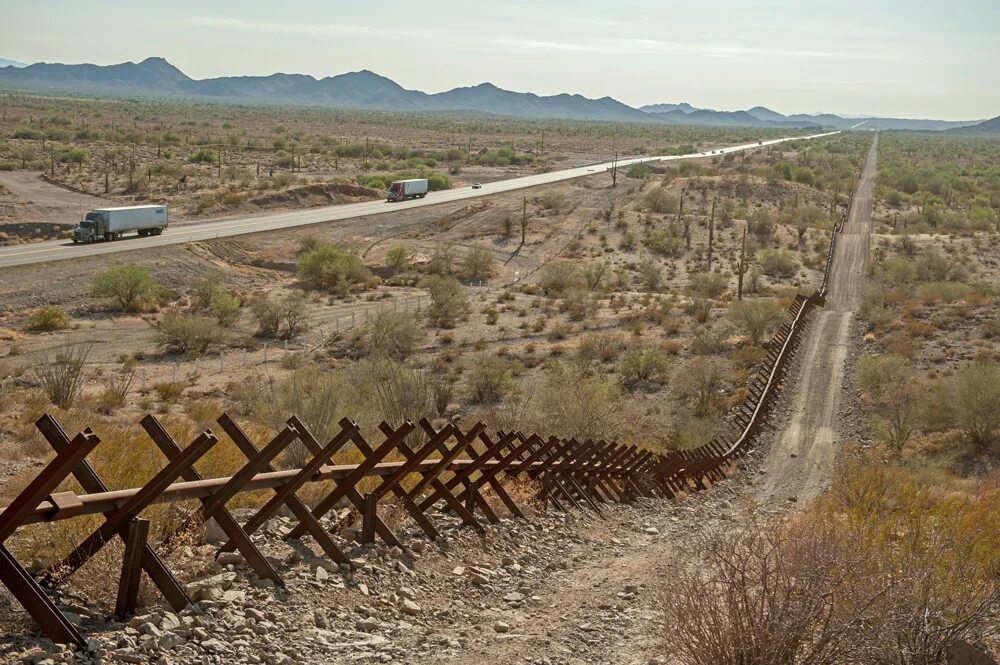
[(367, 90)]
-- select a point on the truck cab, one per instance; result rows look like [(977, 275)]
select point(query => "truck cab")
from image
[(91, 228)]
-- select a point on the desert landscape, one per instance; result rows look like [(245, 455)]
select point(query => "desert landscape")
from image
[(739, 405)]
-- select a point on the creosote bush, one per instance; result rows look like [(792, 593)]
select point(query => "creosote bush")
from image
[(778, 262), (643, 367), (192, 334), (333, 268), (448, 300), (61, 374), (131, 287), (48, 318), (281, 318)]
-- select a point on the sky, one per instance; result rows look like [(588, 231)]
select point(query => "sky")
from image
[(891, 58)]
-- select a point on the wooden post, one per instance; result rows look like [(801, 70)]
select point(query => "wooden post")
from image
[(711, 235), (128, 586), (524, 220)]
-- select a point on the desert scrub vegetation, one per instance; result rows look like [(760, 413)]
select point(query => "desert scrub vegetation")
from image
[(882, 570), (48, 319), (394, 335), (61, 374), (188, 333), (131, 288), (333, 268), (932, 183), (448, 301), (282, 317)]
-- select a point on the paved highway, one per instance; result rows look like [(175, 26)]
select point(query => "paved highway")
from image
[(61, 250)]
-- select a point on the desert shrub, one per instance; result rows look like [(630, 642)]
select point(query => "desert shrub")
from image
[(334, 268), (643, 367), (448, 300), (397, 257), (280, 318), (761, 595), (605, 347), (224, 308), (187, 333), (442, 261), (892, 389), (490, 378), (48, 318), (309, 243), (665, 242), (578, 304), (755, 319), (396, 393), (204, 156), (61, 374), (942, 292), (778, 262), (552, 201), (708, 284), (571, 402), (699, 309), (970, 402), (593, 274), (317, 397), (557, 277), (477, 263), (702, 383), (131, 287), (651, 274), (390, 334), (660, 200)]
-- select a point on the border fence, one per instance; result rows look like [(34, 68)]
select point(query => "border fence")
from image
[(455, 470)]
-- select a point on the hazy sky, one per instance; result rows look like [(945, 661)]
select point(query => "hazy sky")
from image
[(908, 58)]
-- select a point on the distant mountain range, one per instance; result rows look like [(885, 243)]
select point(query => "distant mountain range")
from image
[(155, 77), (990, 127), (4, 62)]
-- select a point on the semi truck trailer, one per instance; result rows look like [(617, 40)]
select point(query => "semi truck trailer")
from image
[(400, 190), (113, 223)]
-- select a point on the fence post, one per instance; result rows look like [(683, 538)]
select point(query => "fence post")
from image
[(128, 586), (265, 353), (368, 518), (174, 379)]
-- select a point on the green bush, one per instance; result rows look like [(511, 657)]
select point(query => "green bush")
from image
[(283, 318), (397, 257), (478, 263), (448, 300), (778, 262), (490, 378), (755, 318), (665, 242), (643, 367), (204, 156), (131, 286), (48, 318), (333, 268), (390, 334), (708, 284), (557, 277), (187, 333), (661, 201)]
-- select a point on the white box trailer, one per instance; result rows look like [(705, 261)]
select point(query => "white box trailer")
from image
[(400, 190), (112, 223)]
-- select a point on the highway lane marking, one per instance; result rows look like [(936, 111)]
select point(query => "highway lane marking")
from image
[(233, 227)]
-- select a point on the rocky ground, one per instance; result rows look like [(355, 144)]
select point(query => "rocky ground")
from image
[(567, 588)]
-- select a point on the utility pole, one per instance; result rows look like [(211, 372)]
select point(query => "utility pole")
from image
[(524, 220), (711, 235), (743, 265)]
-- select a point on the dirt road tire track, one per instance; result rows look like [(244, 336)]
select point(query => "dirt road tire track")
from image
[(800, 462)]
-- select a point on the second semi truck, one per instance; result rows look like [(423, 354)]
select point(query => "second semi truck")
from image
[(400, 190)]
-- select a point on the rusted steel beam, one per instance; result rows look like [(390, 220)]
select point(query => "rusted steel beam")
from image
[(286, 493), (91, 482), (346, 488), (131, 509), (41, 608), (128, 586), (253, 556), (46, 481)]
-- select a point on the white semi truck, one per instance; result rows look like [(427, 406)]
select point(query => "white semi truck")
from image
[(113, 223), (400, 190)]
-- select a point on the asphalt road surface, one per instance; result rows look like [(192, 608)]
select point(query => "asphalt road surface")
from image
[(61, 250), (800, 462)]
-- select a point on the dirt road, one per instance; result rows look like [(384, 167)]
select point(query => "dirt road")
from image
[(800, 462), (40, 201)]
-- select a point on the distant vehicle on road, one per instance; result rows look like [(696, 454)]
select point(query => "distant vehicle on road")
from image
[(400, 190), (113, 223), (477, 185), (760, 141)]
